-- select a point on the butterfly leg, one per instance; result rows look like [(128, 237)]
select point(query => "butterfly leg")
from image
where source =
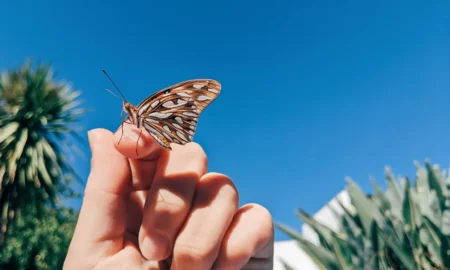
[(138, 142), (124, 121), (121, 134)]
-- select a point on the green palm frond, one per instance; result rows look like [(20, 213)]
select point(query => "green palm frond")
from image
[(37, 119)]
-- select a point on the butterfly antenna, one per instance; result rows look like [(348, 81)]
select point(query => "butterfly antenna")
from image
[(114, 94), (120, 92)]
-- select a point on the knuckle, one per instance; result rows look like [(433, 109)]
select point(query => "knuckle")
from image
[(265, 216), (195, 147), (188, 158), (227, 190), (174, 206), (263, 212), (189, 252), (240, 255), (265, 221), (194, 150), (229, 194)]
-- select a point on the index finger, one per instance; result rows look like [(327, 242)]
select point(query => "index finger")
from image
[(143, 153)]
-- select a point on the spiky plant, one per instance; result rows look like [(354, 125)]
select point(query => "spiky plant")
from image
[(406, 227), (36, 122)]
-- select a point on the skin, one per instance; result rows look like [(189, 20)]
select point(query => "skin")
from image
[(164, 210)]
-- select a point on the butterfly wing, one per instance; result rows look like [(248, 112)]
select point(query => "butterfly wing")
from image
[(171, 114)]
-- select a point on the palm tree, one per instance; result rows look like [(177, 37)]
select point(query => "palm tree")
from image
[(37, 116)]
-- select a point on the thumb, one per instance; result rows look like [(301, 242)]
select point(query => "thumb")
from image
[(102, 221), (109, 169)]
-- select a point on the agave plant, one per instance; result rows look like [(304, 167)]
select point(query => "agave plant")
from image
[(37, 117), (405, 227)]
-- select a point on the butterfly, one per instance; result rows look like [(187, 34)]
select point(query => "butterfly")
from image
[(171, 115)]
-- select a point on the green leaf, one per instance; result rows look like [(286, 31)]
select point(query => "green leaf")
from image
[(393, 193), (445, 224), (13, 160), (8, 130), (33, 243), (366, 209), (289, 231), (436, 185), (383, 201), (320, 229), (434, 242), (286, 266), (432, 209), (409, 212), (343, 254), (393, 242), (375, 247), (323, 258)]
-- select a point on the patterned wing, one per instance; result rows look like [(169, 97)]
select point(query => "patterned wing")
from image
[(171, 114)]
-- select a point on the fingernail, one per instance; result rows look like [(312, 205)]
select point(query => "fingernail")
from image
[(134, 134), (155, 247)]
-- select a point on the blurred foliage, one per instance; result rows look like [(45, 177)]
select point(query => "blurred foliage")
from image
[(38, 135), (38, 241), (405, 227)]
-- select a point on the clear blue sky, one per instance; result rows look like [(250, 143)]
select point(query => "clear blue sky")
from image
[(312, 92)]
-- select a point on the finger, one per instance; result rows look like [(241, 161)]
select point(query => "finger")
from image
[(128, 140), (248, 243), (198, 243), (142, 175), (104, 200), (136, 143), (169, 199)]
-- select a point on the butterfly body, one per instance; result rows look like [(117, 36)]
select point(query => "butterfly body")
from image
[(132, 115), (171, 114)]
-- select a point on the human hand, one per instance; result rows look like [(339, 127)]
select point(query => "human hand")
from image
[(163, 210)]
